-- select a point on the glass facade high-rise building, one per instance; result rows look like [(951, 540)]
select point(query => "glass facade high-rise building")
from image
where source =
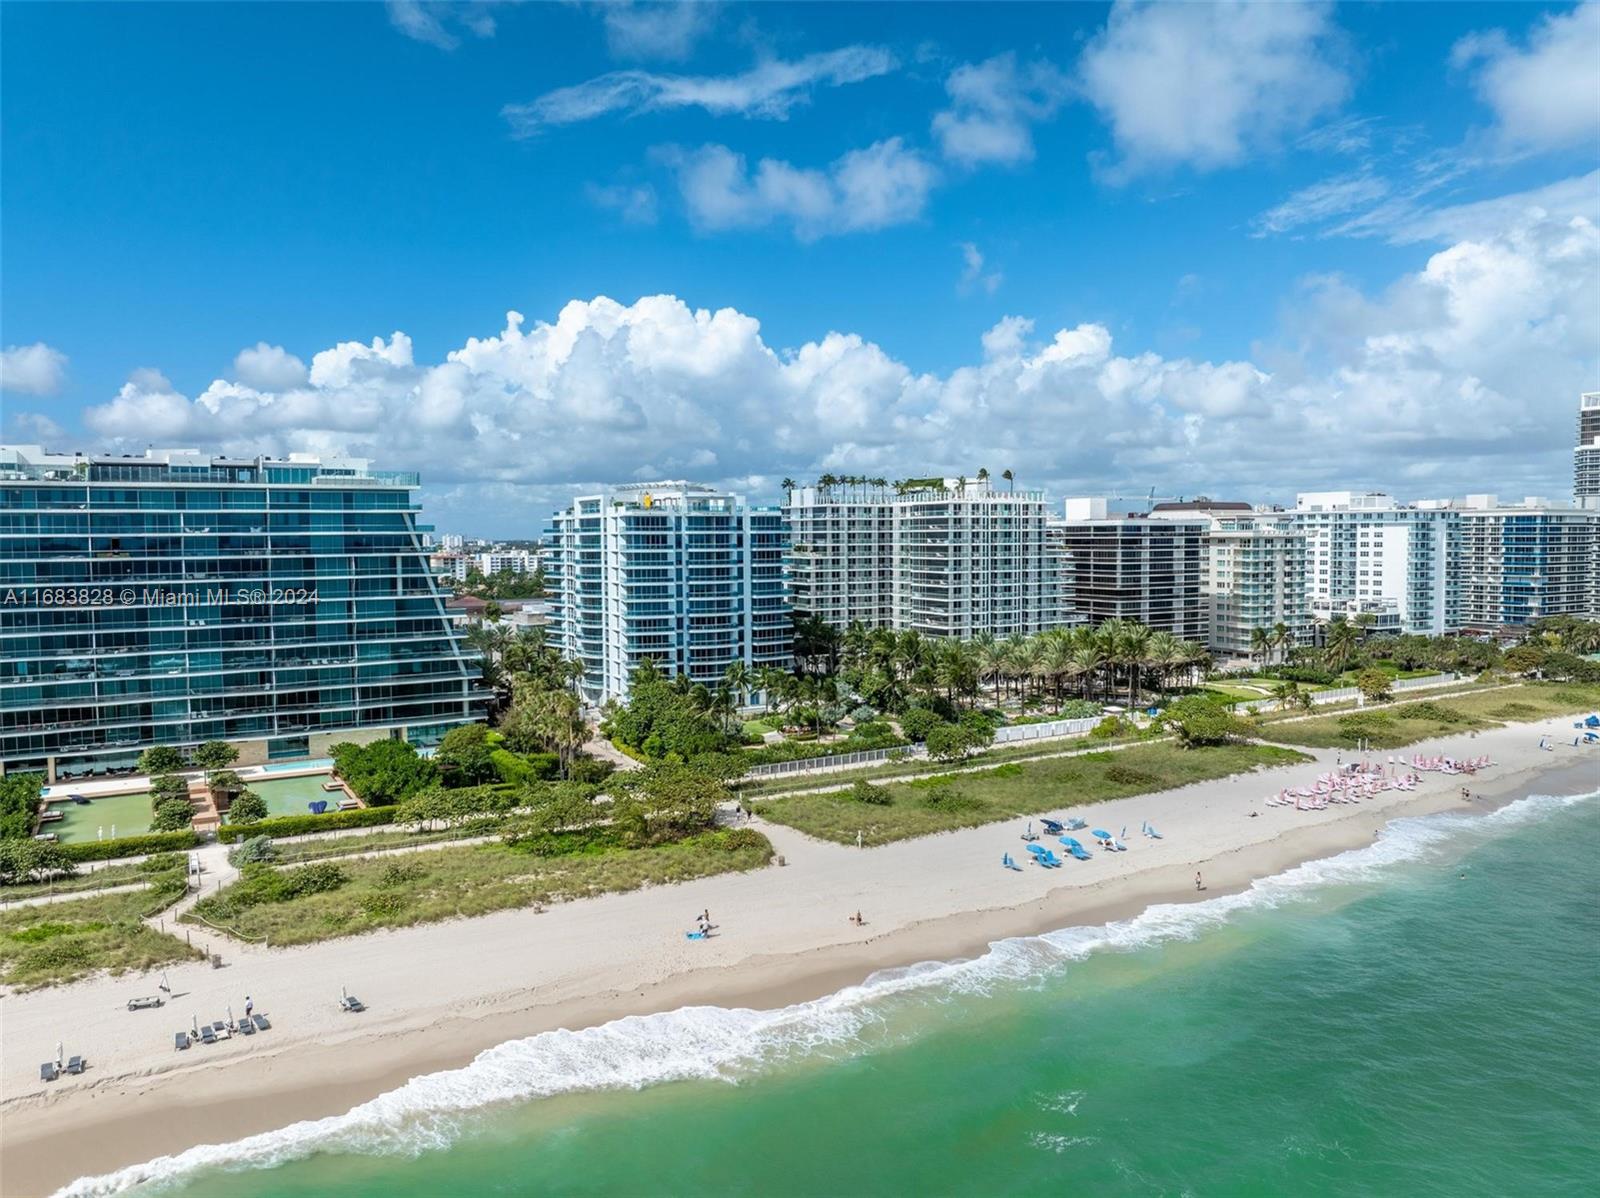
[(1586, 454), (176, 597)]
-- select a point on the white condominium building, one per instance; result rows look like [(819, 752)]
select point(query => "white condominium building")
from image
[(1586, 454), (678, 573), (506, 561), (1367, 553), (1137, 567), (946, 557), (1523, 561)]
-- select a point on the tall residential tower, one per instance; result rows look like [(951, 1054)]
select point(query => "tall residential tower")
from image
[(177, 597), (677, 573)]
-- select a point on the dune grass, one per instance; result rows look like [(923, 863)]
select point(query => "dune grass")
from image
[(963, 800), (402, 889), (1408, 723), (52, 943)]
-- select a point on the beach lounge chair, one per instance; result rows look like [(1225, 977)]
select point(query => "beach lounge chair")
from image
[(1052, 827), (146, 1000), (207, 1036), (246, 1028), (75, 1065), (261, 1022), (1050, 859), (1150, 831), (351, 1003), (1038, 850), (48, 1072), (180, 1040)]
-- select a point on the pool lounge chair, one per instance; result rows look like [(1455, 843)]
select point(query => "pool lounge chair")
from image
[(48, 1072), (180, 1040), (261, 1022)]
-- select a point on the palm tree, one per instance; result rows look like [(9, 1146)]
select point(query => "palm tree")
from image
[(1165, 652), (1087, 662), (739, 678), (1342, 641), (1260, 644), (1010, 478), (789, 487), (1287, 694), (1056, 659), (1282, 638)]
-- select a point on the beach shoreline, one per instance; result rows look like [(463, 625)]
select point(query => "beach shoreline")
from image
[(511, 975)]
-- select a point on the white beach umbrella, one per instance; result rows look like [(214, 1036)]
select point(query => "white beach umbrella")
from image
[(59, 1052)]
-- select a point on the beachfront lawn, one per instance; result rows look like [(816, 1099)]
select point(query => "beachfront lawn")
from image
[(351, 896), (966, 799), (1407, 723), (51, 943)]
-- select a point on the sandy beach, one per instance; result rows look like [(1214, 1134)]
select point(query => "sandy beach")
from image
[(439, 994)]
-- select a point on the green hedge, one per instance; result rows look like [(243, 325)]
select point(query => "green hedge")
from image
[(131, 846), (300, 825)]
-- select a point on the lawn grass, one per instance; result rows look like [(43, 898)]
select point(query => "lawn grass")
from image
[(400, 890), (982, 796), (1422, 719), (51, 943), (920, 766)]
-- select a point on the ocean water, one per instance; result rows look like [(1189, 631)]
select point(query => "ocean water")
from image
[(1418, 1017)]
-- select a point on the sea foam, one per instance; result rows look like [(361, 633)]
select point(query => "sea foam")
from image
[(724, 1044)]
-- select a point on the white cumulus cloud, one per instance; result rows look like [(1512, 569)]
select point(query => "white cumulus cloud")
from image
[(872, 188), (1545, 95), (656, 30), (269, 366), (36, 369), (1467, 368), (994, 105), (1204, 85)]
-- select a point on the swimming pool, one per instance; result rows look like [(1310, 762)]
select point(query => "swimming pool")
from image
[(294, 796), (284, 767), (103, 818)]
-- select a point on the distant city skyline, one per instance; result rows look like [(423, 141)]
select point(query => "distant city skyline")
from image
[(532, 251)]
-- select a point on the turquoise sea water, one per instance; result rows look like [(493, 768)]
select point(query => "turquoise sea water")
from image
[(1417, 1017)]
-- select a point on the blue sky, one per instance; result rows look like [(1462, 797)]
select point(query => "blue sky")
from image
[(1283, 246)]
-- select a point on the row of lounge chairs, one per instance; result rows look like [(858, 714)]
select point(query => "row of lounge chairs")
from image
[(210, 1033)]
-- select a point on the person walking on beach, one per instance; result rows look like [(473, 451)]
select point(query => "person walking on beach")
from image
[(249, 1006), (1198, 884)]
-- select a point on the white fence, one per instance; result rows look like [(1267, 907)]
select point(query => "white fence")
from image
[(1345, 694), (1020, 732), (777, 769)]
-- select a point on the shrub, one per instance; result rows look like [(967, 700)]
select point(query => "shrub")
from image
[(383, 772), (1375, 684), (946, 797), (1077, 709), (215, 755), (522, 768), (256, 850), (19, 799), (1200, 720), (129, 846), (400, 873), (381, 905), (1124, 775), (954, 742), (465, 757), (866, 792), (917, 722), (171, 815), (733, 840), (33, 861), (167, 786), (316, 878), (589, 770), (1429, 710), (160, 759), (300, 825), (160, 863), (1113, 726), (247, 808)]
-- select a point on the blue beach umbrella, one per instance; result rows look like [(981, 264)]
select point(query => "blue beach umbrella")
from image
[(1099, 833)]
